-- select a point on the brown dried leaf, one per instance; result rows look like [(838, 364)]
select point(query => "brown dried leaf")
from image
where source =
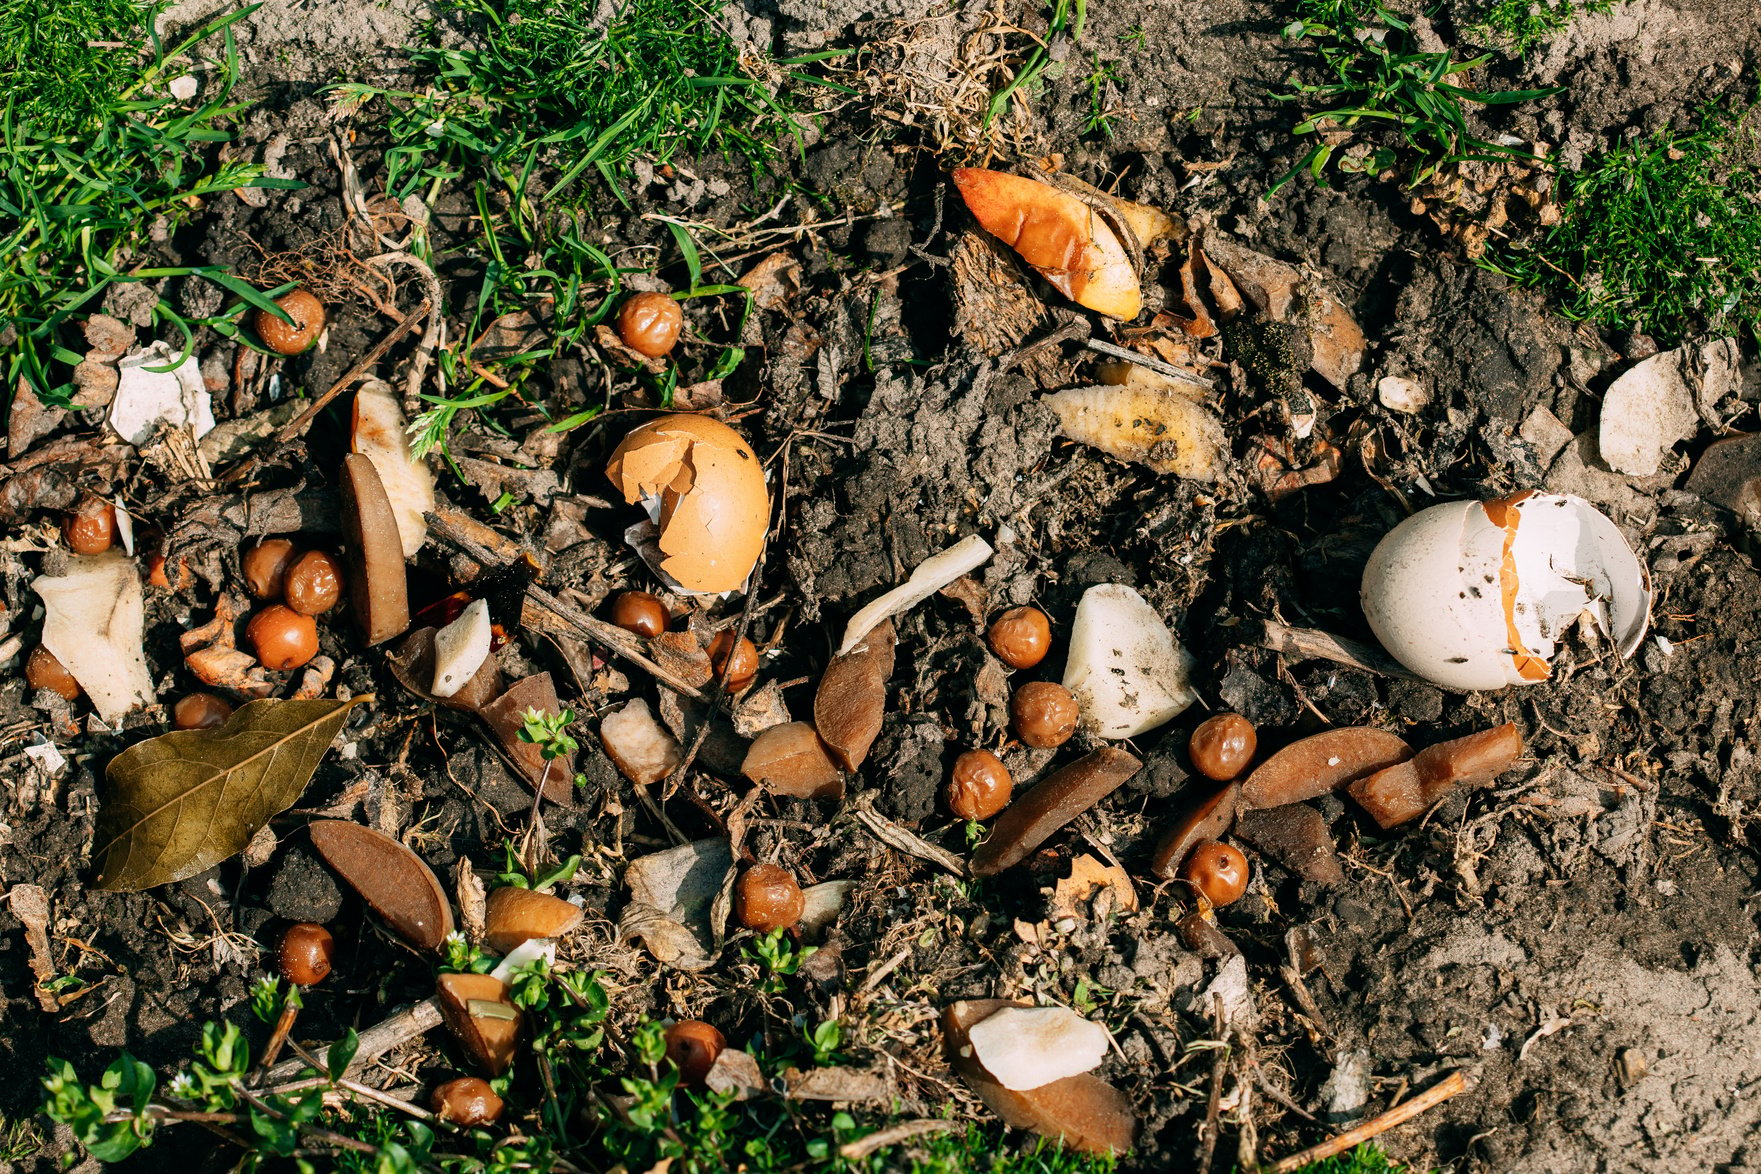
[(1076, 895), (184, 801), (791, 760), (506, 718), (1320, 764), (852, 697), (392, 879)]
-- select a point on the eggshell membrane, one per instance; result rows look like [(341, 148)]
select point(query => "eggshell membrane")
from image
[(1064, 239), (714, 507), (1476, 595)]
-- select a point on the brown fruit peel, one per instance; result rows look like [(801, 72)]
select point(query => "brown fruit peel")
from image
[(851, 699), (1321, 764), (1208, 818), (393, 880), (791, 760), (1033, 818)]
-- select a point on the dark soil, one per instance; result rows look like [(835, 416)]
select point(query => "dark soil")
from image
[(1582, 935)]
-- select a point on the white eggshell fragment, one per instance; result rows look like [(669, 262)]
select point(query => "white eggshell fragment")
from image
[(1125, 669), (148, 396), (929, 577), (93, 620), (1656, 404), (380, 435), (1477, 595), (1029, 1047), (460, 649)]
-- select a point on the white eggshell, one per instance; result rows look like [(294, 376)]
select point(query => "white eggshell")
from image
[(460, 649), (1029, 1047), (1435, 589), (1125, 669)]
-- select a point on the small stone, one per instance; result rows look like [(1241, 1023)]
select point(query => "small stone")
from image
[(1728, 474), (1398, 394)]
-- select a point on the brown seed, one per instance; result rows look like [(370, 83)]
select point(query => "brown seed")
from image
[(1219, 871), (390, 878), (1320, 764), (789, 759), (265, 566), (379, 594), (1021, 637), (90, 527), (650, 324), (768, 899), (306, 953), (1050, 804), (313, 583), (979, 786), (467, 1101), (518, 915), (851, 700), (639, 612), (477, 1009), (1407, 790), (200, 711), (44, 670), (692, 1045), (307, 313), (740, 661), (282, 637), (1045, 714), (1222, 746)]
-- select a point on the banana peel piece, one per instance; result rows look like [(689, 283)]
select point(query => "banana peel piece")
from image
[(1065, 240), (1148, 423)]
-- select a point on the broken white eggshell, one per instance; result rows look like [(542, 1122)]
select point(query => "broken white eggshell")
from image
[(929, 577), (381, 435), (460, 648), (147, 398), (93, 621), (1656, 404), (1162, 428), (1125, 669), (1476, 595), (704, 489), (1030, 1047)]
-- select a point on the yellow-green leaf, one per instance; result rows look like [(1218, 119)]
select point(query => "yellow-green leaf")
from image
[(183, 802)]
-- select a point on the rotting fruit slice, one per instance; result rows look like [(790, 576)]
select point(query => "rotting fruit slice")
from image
[(852, 697), (1083, 1111), (477, 1009), (518, 915), (1052, 803), (1064, 239), (1407, 790), (1320, 764)]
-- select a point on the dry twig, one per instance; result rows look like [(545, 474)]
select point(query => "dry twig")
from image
[(1456, 1082)]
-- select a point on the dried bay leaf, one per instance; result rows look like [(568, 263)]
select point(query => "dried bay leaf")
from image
[(183, 802)]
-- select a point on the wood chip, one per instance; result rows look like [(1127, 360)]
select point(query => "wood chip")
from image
[(30, 904)]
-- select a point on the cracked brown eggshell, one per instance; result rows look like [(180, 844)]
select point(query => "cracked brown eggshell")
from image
[(713, 506)]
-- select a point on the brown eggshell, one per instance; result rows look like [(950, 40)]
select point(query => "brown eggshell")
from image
[(1407, 790), (518, 915), (1083, 1111), (413, 665), (714, 507), (1321, 764), (377, 589), (789, 759), (1053, 802), (393, 880), (852, 697), (468, 1002), (1208, 818), (506, 716), (1064, 239)]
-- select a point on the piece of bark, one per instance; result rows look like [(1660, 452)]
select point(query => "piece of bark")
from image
[(393, 880), (1320, 764), (852, 697), (485, 1023), (1407, 790), (1084, 1112), (683, 656), (518, 915), (1208, 818), (791, 760), (377, 588), (413, 665), (1033, 818), (1203, 938), (1296, 836), (506, 718)]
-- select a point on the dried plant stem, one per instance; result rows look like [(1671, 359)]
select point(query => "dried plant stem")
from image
[(404, 1025), (1314, 644), (1455, 1083)]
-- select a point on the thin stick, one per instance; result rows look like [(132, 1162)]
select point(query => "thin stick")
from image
[(405, 1024), (366, 1091), (1456, 1082), (1156, 365), (893, 1135), (894, 836), (290, 1010), (300, 422), (1314, 644)]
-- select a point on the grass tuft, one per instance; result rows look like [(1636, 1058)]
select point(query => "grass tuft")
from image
[(1662, 235), (1365, 1159), (1523, 24)]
